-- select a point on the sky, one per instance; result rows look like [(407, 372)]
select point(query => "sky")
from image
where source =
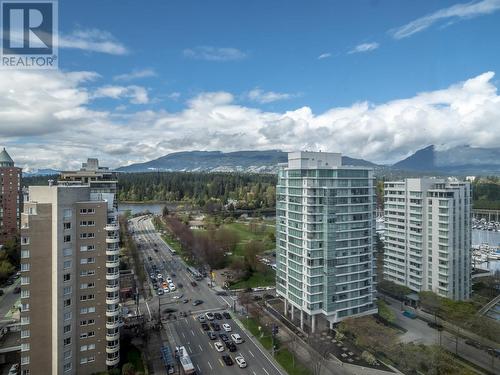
[(372, 79)]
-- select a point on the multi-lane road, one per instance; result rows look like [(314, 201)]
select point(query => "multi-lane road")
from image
[(186, 330)]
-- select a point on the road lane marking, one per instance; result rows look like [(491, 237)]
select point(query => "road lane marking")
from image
[(199, 346), (183, 335), (191, 350), (251, 353), (265, 370), (149, 311), (192, 332), (220, 361), (199, 369), (254, 373), (209, 365)]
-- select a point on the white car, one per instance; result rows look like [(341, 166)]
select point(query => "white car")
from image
[(210, 316), (165, 289), (169, 280), (240, 361), (201, 318), (159, 276), (171, 286), (226, 327), (236, 338), (218, 346)]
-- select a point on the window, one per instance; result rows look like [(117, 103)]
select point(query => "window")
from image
[(67, 302), (25, 360), (67, 315), (67, 264), (25, 280), (67, 354), (25, 293), (66, 277), (25, 240), (25, 347), (25, 320), (25, 307), (87, 273), (25, 333), (67, 213), (67, 252), (87, 260), (87, 310), (67, 328), (87, 248), (67, 341), (87, 285), (67, 367), (25, 267), (67, 238), (67, 225), (25, 254)]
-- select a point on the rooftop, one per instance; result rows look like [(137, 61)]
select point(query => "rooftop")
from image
[(5, 159)]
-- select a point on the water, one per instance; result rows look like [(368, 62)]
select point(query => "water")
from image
[(136, 208)]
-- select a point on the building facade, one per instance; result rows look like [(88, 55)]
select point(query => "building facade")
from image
[(70, 313), (325, 230), (428, 235), (10, 198)]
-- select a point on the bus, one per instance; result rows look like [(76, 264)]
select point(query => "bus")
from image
[(195, 273)]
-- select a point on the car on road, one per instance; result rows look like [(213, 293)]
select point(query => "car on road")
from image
[(410, 314), (197, 302), (231, 346), (240, 361), (236, 338), (437, 326), (205, 327), (17, 290), (218, 346), (215, 326), (194, 283), (210, 316), (226, 315), (211, 335), (201, 318), (218, 316), (185, 301), (227, 360), (473, 343), (178, 297), (227, 327), (223, 337), (221, 293)]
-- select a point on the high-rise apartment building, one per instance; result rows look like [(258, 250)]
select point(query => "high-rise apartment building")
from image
[(10, 198), (325, 228), (428, 235), (70, 277)]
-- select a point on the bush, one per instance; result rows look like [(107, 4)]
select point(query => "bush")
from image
[(368, 358)]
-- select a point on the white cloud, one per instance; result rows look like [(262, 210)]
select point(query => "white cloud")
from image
[(47, 120), (451, 14), (364, 47), (135, 74), (260, 96), (324, 55), (136, 94), (174, 95), (92, 40), (211, 53)]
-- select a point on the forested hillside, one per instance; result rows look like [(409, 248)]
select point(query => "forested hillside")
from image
[(486, 193), (250, 190)]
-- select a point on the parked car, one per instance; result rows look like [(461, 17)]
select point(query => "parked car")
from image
[(160, 292), (231, 346), (240, 361), (201, 318), (197, 302), (226, 315), (223, 337), (211, 335), (210, 316), (227, 360), (205, 327), (227, 327), (218, 316), (218, 346), (215, 326), (236, 338)]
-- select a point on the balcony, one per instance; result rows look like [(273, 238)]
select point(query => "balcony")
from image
[(113, 349), (113, 239), (112, 227), (113, 276), (112, 362), (115, 324), (111, 264), (111, 313), (112, 300), (112, 337)]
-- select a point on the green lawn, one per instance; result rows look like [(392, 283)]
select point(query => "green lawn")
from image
[(246, 235), (267, 278)]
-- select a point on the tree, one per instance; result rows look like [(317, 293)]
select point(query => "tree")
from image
[(431, 302), (164, 211), (252, 249), (128, 369)]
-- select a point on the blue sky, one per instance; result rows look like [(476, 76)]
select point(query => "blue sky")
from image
[(372, 79)]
